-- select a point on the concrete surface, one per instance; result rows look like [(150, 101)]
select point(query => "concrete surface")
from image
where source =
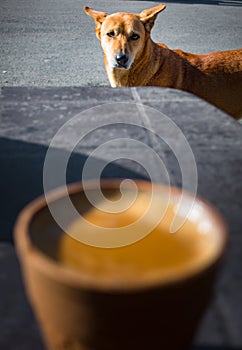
[(52, 43)]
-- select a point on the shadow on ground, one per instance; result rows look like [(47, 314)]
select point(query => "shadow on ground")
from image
[(22, 176)]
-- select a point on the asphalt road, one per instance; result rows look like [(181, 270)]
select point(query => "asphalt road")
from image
[(52, 43)]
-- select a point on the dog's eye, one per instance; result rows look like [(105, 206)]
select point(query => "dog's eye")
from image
[(134, 36), (111, 34)]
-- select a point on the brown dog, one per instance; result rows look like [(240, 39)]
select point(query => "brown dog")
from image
[(132, 59)]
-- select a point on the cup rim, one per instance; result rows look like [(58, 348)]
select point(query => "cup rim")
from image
[(29, 253)]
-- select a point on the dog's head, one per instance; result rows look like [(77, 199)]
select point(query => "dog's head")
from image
[(123, 35)]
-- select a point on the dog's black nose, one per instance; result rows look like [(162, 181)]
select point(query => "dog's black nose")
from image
[(122, 59)]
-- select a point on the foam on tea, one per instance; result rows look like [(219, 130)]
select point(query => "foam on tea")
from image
[(160, 254)]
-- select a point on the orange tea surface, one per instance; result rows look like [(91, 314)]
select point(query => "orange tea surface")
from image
[(159, 254)]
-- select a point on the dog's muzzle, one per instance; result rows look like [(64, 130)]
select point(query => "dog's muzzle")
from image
[(122, 61)]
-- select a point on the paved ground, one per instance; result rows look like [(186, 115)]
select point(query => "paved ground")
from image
[(53, 42)]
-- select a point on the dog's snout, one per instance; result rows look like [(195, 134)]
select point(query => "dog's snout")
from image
[(122, 59)]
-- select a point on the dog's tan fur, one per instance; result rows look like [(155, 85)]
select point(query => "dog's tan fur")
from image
[(216, 76)]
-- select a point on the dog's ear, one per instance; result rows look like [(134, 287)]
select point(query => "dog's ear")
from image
[(148, 17), (98, 17)]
